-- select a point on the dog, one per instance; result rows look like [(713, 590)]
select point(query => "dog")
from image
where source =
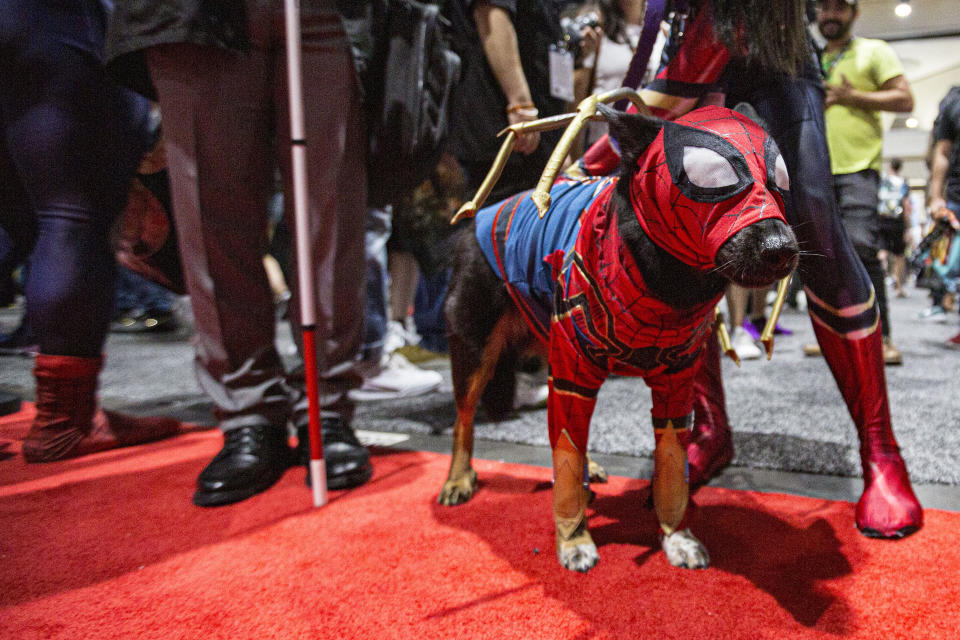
[(621, 275)]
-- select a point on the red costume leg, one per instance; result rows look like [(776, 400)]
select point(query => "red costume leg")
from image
[(68, 423), (574, 382), (888, 507), (711, 442)]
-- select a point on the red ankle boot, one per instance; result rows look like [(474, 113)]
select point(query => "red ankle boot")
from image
[(711, 442), (888, 507), (68, 423)]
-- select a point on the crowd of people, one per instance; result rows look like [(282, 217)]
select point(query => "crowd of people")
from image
[(79, 96)]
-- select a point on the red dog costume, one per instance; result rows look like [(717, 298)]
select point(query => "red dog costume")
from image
[(703, 178)]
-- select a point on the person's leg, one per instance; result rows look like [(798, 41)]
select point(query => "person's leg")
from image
[(404, 274), (387, 374), (75, 141), (840, 305), (337, 205), (857, 202), (379, 288), (738, 298), (218, 116)]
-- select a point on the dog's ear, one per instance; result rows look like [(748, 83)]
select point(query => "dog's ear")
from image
[(746, 109), (632, 133)]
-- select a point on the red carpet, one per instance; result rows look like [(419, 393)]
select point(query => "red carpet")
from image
[(111, 547)]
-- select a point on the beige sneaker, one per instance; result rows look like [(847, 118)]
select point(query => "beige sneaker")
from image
[(812, 350), (891, 355)]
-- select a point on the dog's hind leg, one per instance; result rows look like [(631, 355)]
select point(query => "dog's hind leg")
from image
[(595, 470), (470, 377)]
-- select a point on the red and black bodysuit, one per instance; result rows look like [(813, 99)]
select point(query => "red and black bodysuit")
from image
[(840, 298)]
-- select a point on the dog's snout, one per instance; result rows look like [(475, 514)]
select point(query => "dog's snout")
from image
[(778, 252), (760, 254)]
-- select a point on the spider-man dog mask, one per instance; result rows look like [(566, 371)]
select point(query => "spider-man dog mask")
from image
[(696, 182)]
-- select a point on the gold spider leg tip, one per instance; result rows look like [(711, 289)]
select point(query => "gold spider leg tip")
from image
[(467, 210), (768, 347)]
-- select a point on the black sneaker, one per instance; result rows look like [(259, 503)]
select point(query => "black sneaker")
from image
[(347, 461), (252, 460)]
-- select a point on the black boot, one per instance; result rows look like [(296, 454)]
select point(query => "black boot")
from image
[(347, 461), (252, 459)]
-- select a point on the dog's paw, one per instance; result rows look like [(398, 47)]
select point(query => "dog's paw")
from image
[(595, 471), (685, 551), (578, 552), (458, 490)]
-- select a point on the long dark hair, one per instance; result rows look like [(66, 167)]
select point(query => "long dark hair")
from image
[(771, 33), (614, 22)]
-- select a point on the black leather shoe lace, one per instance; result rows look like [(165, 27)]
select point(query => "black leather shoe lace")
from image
[(243, 440)]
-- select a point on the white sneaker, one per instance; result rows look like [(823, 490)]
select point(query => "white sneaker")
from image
[(399, 336), (531, 391), (933, 314), (397, 379), (744, 345)]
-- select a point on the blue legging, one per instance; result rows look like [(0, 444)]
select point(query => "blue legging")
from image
[(71, 142)]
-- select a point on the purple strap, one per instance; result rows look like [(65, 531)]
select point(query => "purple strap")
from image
[(641, 57)]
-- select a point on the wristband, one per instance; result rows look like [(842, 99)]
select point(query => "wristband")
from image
[(522, 106)]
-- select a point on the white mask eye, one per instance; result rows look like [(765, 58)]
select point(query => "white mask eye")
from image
[(780, 176), (708, 169)]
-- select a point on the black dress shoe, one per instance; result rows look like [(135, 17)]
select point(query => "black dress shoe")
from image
[(251, 461), (347, 461)]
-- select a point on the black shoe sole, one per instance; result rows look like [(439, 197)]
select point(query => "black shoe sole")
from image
[(220, 498), (896, 535)]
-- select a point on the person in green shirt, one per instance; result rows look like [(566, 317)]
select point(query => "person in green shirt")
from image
[(862, 77)]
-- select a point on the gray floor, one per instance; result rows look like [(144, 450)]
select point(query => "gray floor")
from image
[(792, 431)]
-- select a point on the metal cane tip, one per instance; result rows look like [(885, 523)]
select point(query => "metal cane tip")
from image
[(542, 200)]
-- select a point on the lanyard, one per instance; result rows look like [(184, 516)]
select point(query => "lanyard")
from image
[(828, 70), (641, 54)]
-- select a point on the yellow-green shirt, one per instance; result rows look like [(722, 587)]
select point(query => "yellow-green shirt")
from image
[(855, 136)]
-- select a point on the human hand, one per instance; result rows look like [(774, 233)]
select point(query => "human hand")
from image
[(526, 143), (838, 93), (590, 40), (942, 213), (936, 205)]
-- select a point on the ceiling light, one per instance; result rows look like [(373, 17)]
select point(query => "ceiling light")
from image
[(903, 9), (911, 123)]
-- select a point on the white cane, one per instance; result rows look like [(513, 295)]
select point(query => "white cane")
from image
[(308, 316)]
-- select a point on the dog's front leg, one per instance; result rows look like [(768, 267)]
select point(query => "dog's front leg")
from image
[(671, 493), (575, 548), (574, 382)]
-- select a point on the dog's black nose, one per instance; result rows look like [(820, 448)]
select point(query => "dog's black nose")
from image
[(778, 251)]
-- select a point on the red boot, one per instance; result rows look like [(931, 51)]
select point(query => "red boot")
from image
[(711, 442), (68, 424), (888, 508)]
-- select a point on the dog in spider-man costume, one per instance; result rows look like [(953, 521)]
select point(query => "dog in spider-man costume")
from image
[(621, 275)]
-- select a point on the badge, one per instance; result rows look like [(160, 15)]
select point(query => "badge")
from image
[(561, 73)]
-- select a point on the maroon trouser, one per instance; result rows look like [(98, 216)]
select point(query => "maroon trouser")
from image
[(226, 129)]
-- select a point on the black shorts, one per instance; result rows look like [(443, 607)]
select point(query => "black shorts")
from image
[(891, 235)]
